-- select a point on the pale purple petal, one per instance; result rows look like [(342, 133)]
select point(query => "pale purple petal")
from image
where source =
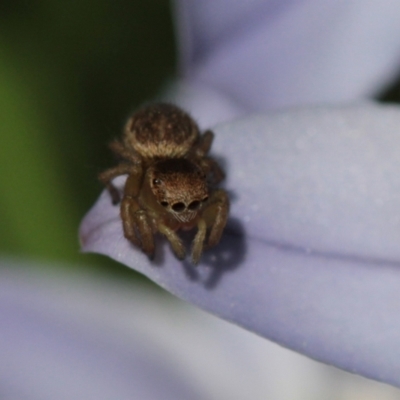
[(311, 256), (78, 336), (64, 338), (269, 53)]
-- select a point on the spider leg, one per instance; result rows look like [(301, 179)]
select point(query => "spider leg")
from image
[(134, 181), (198, 241), (204, 145), (175, 241), (121, 151), (212, 170), (208, 165), (136, 222), (108, 175), (128, 208), (216, 216), (136, 225)]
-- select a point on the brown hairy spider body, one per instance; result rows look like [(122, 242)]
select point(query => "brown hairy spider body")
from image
[(171, 181)]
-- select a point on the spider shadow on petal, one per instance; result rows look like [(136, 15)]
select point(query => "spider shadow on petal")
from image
[(226, 256)]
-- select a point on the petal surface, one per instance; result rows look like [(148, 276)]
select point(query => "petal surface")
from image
[(77, 336), (272, 54), (311, 256)]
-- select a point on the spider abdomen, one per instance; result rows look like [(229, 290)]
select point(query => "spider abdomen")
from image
[(161, 130)]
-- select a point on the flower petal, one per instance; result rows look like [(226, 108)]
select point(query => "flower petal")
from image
[(311, 256), (60, 340), (269, 54), (75, 336)]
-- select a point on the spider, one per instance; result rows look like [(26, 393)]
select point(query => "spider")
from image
[(171, 183)]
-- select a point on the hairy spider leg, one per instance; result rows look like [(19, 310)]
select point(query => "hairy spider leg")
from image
[(173, 238), (136, 221), (198, 241), (128, 208), (212, 170), (136, 225), (207, 164), (205, 142), (109, 174), (216, 216), (120, 150)]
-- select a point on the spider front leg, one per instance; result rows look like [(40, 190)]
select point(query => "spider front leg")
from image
[(136, 221), (198, 241), (216, 216), (176, 243), (136, 225)]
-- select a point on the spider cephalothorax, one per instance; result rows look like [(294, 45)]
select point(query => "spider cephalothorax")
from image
[(180, 186), (170, 184)]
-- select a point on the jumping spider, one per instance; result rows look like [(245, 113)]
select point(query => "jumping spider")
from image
[(171, 181)]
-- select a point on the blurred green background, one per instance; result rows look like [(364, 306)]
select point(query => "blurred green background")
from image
[(70, 73)]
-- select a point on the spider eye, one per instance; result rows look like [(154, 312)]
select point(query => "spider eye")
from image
[(194, 205), (178, 207), (164, 203), (156, 182)]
